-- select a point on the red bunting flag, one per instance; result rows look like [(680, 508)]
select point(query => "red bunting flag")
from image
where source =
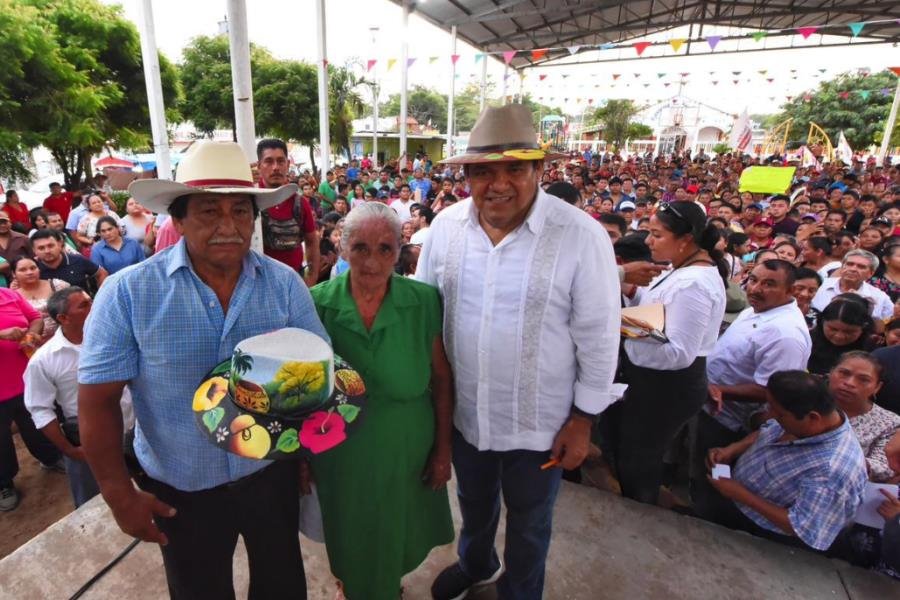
[(508, 56), (807, 31), (641, 46), (895, 70), (542, 77), (370, 63), (590, 101), (788, 98), (844, 95), (538, 54), (454, 58)]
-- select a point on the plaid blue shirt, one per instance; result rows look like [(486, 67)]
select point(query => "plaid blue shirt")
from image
[(819, 479), (159, 327)]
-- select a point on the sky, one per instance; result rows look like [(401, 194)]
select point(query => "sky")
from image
[(287, 28)]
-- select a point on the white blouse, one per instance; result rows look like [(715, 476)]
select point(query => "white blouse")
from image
[(694, 300)]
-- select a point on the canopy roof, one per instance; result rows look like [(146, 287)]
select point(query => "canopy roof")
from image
[(502, 25)]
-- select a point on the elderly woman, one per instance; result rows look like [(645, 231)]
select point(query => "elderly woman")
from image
[(114, 251), (853, 381), (382, 492)]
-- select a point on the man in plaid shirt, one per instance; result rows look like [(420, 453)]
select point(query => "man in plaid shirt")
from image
[(801, 476)]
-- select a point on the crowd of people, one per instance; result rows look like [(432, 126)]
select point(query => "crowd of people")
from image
[(479, 298)]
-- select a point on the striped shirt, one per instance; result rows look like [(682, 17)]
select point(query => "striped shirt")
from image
[(819, 479), (160, 328)]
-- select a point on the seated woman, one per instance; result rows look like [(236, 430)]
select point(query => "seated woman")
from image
[(854, 380), (36, 291), (114, 252), (382, 493), (844, 325)]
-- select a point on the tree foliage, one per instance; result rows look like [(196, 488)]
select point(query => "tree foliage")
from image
[(616, 117), (837, 105), (73, 81), (423, 104), (344, 104), (285, 100)]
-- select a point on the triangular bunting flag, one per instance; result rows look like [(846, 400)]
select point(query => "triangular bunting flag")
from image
[(370, 63), (763, 71), (573, 49), (735, 73), (822, 70), (770, 80), (617, 75), (735, 81), (564, 76), (607, 46), (844, 95), (759, 35), (641, 46), (538, 54), (508, 56), (660, 75), (807, 31), (454, 58), (410, 61), (646, 85), (667, 83), (676, 44), (715, 83), (856, 28), (686, 74), (895, 70), (391, 63), (636, 75), (788, 98), (542, 77), (713, 41), (864, 94), (479, 57), (590, 100)]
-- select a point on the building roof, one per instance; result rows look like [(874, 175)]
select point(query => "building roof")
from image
[(502, 25)]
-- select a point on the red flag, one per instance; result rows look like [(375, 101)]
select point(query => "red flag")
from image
[(895, 70), (641, 46), (844, 95), (542, 77), (807, 31), (538, 54), (370, 63)]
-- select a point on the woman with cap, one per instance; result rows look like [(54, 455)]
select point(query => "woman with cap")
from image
[(383, 495), (667, 380)]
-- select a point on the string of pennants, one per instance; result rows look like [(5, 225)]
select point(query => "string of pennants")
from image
[(806, 97), (639, 47)]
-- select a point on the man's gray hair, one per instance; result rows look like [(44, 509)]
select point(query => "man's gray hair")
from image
[(873, 260), (363, 213), (58, 303)]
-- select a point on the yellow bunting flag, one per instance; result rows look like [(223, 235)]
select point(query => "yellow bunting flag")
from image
[(766, 180), (391, 62), (676, 44)]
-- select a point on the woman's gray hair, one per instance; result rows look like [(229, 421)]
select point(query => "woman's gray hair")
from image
[(873, 260), (363, 213)]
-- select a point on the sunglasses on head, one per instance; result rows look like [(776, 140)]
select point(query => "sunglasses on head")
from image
[(668, 207)]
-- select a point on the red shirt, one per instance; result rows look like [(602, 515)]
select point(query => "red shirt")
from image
[(61, 204), (292, 258), (17, 214)]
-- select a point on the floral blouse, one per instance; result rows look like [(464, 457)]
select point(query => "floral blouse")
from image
[(874, 430), (887, 286)]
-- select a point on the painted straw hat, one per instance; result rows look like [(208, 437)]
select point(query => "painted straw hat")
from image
[(280, 395), (503, 134), (217, 167)]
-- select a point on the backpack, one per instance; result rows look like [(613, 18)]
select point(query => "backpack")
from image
[(283, 234)]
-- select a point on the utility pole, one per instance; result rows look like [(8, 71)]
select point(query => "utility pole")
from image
[(324, 140), (150, 56), (452, 96), (242, 84), (404, 74)]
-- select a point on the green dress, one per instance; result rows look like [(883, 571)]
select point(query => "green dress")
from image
[(380, 518)]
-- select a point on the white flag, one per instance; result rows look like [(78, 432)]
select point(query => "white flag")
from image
[(741, 134), (809, 159), (844, 153)]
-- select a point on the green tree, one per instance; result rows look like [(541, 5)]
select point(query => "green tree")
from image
[(286, 100), (616, 117), (423, 104), (344, 104), (852, 103), (76, 84), (638, 131)]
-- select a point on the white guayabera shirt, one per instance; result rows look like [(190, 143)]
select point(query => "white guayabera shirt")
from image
[(531, 325)]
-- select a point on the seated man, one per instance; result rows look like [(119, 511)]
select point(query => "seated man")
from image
[(801, 476), (857, 267)]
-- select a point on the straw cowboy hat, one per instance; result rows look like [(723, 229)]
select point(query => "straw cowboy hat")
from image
[(216, 167), (503, 134)]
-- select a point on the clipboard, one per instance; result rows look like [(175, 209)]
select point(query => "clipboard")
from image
[(647, 321)]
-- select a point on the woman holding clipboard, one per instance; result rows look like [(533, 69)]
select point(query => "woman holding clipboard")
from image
[(666, 371)]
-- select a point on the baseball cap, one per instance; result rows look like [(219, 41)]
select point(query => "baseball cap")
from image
[(383, 194), (810, 217), (764, 221), (692, 189), (756, 206), (626, 205)]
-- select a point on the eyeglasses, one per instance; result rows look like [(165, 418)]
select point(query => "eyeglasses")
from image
[(667, 206)]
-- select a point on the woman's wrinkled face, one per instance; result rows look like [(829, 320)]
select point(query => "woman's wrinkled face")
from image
[(372, 252)]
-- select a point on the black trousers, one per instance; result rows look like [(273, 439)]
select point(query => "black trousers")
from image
[(707, 433), (655, 408), (263, 508), (13, 410)]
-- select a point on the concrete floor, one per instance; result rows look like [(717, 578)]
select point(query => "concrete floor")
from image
[(603, 547)]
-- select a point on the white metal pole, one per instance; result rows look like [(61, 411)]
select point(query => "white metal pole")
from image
[(521, 88), (404, 73), (484, 59), (374, 31), (503, 91), (451, 97), (324, 140), (154, 91), (242, 84), (889, 126)]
